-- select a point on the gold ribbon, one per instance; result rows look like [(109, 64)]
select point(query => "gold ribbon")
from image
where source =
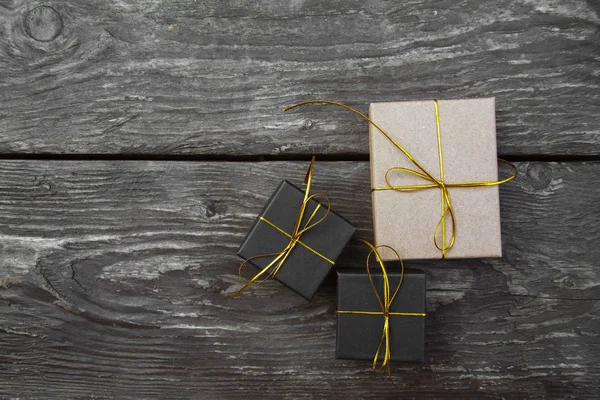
[(280, 257), (421, 172), (385, 304), (300, 242)]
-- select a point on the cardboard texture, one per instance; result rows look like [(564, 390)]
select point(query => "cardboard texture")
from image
[(407, 220), (303, 271), (358, 336)]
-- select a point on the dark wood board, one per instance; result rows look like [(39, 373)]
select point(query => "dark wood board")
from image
[(209, 78), (113, 271)]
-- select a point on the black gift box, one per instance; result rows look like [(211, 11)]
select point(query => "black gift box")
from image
[(303, 270), (359, 335)]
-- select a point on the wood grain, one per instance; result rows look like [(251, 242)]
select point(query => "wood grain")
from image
[(113, 272), (205, 77)]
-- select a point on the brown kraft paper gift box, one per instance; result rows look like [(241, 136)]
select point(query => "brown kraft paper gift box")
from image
[(407, 220)]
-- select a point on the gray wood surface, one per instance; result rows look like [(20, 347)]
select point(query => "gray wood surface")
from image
[(209, 78), (113, 272), (114, 260)]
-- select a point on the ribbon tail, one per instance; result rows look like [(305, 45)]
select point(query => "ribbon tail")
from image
[(385, 340), (388, 355), (376, 358), (287, 252), (448, 210), (489, 183), (370, 121), (309, 174), (515, 171), (278, 260)]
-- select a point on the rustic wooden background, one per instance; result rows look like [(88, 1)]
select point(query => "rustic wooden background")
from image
[(139, 139)]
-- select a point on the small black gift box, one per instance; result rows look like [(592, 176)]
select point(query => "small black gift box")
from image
[(311, 259), (359, 335)]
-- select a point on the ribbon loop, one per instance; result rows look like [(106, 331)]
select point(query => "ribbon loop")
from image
[(420, 172), (294, 238), (385, 302)]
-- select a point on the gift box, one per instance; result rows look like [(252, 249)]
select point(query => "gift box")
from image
[(359, 335), (455, 141), (311, 259)]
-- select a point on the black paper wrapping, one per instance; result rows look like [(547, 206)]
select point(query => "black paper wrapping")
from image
[(303, 271), (358, 336)]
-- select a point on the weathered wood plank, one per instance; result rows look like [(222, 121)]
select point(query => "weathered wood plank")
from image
[(112, 276), (201, 77)]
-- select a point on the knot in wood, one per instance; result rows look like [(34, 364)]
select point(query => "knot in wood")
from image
[(539, 174), (43, 24)]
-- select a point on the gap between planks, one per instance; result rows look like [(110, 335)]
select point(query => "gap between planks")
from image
[(263, 158)]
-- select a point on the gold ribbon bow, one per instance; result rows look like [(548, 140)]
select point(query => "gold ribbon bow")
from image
[(384, 303), (421, 172), (299, 229)]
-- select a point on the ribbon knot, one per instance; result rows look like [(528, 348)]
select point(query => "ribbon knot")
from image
[(447, 209), (421, 172), (280, 257)]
